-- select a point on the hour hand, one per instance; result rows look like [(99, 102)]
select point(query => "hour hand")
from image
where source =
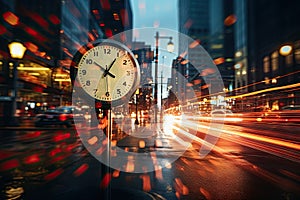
[(110, 66), (105, 70)]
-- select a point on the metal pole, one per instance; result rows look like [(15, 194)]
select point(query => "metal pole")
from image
[(136, 110), (161, 97), (156, 79), (14, 121)]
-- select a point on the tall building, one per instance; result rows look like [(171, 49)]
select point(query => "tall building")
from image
[(204, 22), (52, 32), (144, 56), (272, 25), (241, 46)]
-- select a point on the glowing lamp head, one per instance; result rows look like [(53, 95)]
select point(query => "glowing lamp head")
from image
[(170, 46), (285, 50), (17, 50)]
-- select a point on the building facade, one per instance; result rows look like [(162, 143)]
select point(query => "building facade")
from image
[(260, 62)]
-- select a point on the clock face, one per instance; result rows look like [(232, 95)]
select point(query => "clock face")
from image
[(108, 71)]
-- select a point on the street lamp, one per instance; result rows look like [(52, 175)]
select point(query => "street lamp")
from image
[(170, 48), (285, 50), (17, 51), (136, 107)]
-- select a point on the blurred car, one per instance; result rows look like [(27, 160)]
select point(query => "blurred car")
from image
[(118, 115), (63, 116), (291, 107), (226, 116)]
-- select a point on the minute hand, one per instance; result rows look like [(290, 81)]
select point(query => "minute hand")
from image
[(110, 66), (105, 70)]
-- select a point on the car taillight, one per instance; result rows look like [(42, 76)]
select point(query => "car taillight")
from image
[(63, 117)]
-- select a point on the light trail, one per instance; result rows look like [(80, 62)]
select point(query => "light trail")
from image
[(276, 146)]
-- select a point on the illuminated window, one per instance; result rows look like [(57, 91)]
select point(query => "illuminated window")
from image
[(266, 64), (297, 52), (297, 56), (289, 60), (116, 17), (1, 66), (274, 57)]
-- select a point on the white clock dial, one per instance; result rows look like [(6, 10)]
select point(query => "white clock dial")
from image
[(108, 72)]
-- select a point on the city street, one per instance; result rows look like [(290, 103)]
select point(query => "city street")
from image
[(247, 162), (136, 99)]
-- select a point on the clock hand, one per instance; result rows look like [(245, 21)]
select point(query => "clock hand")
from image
[(106, 82), (110, 66), (105, 70)]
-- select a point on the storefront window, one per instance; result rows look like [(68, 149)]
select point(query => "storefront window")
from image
[(266, 64), (35, 73), (274, 57)]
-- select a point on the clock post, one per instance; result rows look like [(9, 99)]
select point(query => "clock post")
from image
[(107, 74)]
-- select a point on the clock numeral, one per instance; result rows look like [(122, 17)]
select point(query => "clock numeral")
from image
[(118, 54), (89, 61), (83, 72), (88, 83), (125, 83), (124, 62), (119, 91), (95, 91), (106, 51), (128, 73), (107, 94), (95, 53)]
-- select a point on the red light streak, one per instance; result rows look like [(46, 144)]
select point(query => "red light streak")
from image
[(53, 174), (31, 47), (10, 164), (116, 173), (230, 20), (32, 159), (108, 32), (80, 170), (61, 137), (180, 188), (11, 18), (31, 31), (219, 61), (54, 19), (194, 44), (146, 182), (34, 34), (31, 135), (105, 181), (91, 37), (205, 193), (55, 151), (58, 158), (38, 19)]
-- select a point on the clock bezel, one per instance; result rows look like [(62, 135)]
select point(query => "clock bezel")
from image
[(75, 66)]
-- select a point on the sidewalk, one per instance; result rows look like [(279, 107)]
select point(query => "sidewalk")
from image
[(148, 137)]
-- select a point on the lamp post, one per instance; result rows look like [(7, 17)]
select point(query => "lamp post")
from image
[(170, 48), (17, 51), (136, 107)]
